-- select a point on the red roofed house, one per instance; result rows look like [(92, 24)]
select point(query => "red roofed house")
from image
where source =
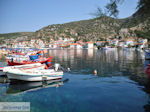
[(75, 46)]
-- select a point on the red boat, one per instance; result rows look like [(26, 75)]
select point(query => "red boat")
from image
[(47, 61), (148, 71), (1, 68)]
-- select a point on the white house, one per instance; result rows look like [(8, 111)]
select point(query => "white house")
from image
[(100, 43), (129, 42), (75, 46), (121, 44), (143, 43), (114, 42), (53, 46), (89, 45)]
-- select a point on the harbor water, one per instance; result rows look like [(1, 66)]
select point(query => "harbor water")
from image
[(120, 85)]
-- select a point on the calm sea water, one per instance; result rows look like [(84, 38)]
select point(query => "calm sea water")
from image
[(121, 84)]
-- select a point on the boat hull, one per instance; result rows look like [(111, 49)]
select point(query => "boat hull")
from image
[(27, 62), (1, 68), (34, 77), (104, 48)]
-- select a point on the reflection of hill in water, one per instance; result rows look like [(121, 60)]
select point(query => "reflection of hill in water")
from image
[(20, 87), (126, 62), (108, 62)]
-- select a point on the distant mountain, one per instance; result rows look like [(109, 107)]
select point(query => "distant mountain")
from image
[(18, 36), (93, 29)]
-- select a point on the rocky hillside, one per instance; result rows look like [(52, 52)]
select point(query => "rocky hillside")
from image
[(93, 29), (19, 36), (98, 29), (86, 30)]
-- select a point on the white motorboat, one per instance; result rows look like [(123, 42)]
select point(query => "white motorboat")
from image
[(24, 67), (108, 48), (33, 73)]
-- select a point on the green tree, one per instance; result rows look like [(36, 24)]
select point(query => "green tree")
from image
[(111, 8), (99, 13), (144, 7)]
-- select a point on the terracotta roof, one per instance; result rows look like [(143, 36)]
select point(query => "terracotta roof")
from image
[(100, 41), (74, 44), (89, 42)]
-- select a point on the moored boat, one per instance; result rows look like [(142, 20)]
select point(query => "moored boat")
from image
[(17, 57), (23, 67), (40, 60), (108, 48), (36, 74)]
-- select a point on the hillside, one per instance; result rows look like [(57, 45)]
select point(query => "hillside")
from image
[(18, 36), (93, 29), (98, 28)]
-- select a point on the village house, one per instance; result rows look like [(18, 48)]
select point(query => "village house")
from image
[(89, 45), (108, 40), (129, 43), (53, 46), (143, 43), (75, 46), (41, 43), (100, 43), (114, 42), (121, 44)]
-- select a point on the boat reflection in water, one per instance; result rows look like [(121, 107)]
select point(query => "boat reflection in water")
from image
[(147, 67), (21, 87), (3, 79)]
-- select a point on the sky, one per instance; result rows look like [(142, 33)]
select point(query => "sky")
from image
[(31, 15)]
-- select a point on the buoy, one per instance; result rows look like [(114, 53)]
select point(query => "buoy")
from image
[(95, 72), (68, 69)]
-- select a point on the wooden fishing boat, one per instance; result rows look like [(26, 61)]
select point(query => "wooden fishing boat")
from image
[(40, 60), (25, 73)]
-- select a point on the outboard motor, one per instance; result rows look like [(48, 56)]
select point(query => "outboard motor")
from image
[(56, 66)]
